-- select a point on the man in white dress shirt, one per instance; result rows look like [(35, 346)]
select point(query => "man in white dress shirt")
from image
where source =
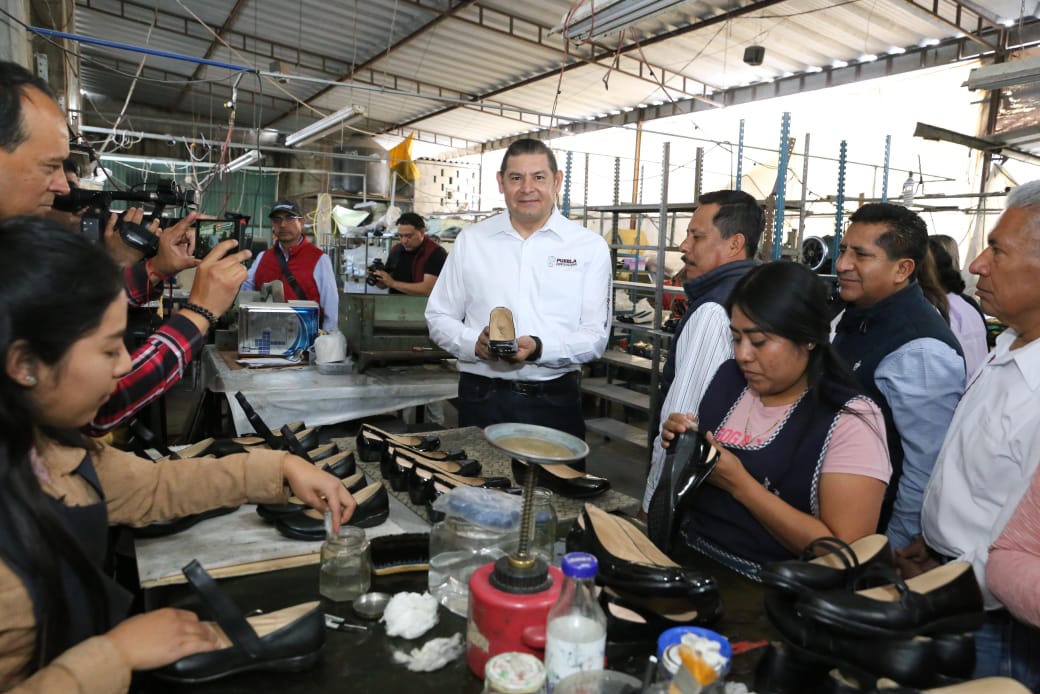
[(992, 447), (555, 278)]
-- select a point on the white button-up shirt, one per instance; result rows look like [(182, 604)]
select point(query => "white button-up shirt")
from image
[(556, 282), (988, 458)]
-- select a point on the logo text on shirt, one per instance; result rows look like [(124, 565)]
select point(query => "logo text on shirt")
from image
[(562, 262)]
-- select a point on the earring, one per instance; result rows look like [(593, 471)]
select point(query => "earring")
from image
[(30, 380)]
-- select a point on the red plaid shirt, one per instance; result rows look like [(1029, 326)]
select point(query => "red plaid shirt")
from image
[(157, 365)]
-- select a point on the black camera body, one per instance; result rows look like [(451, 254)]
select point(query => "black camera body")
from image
[(95, 205), (373, 267), (210, 232)]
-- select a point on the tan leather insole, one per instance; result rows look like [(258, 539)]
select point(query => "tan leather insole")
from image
[(864, 548), (294, 427), (370, 432), (923, 583), (195, 449), (346, 482), (249, 440), (264, 624), (674, 609), (624, 540), (332, 459), (324, 448), (500, 326), (407, 460)]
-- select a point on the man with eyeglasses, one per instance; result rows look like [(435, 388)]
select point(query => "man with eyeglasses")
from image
[(304, 269)]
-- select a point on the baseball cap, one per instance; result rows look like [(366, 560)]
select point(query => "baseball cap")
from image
[(287, 206)]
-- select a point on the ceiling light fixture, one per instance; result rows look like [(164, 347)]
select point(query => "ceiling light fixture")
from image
[(250, 157), (594, 20), (1002, 75), (321, 128)]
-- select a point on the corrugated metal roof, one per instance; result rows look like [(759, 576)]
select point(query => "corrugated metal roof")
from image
[(500, 53)]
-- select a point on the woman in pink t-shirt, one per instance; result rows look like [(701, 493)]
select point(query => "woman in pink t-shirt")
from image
[(802, 451)]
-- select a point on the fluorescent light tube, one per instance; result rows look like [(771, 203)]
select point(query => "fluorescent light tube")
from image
[(243, 161), (1000, 75), (321, 128), (598, 18)]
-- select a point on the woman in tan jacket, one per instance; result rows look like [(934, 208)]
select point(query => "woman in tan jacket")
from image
[(64, 625)]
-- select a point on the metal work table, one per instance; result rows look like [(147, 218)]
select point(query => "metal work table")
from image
[(286, 394)]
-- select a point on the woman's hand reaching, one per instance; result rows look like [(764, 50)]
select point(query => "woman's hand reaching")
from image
[(152, 640), (676, 424), (729, 474), (318, 489)]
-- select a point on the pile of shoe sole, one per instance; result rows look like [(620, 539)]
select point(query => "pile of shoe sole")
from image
[(851, 624)]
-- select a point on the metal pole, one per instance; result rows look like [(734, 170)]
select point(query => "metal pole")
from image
[(839, 214), (781, 185), (884, 179), (566, 211), (805, 193), (659, 290), (740, 156)]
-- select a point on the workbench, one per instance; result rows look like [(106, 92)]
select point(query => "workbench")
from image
[(286, 394), (363, 661)]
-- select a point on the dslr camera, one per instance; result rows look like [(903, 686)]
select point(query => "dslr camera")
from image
[(373, 267), (94, 206)]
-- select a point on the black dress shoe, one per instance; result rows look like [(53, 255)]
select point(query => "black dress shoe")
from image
[(635, 618), (782, 670), (322, 452), (629, 561), (299, 442), (373, 508), (391, 450), (272, 512), (176, 525), (340, 465), (426, 485), (404, 463), (372, 442), (690, 460), (840, 567), (561, 479), (502, 333), (946, 599), (238, 444), (910, 660), (288, 640)]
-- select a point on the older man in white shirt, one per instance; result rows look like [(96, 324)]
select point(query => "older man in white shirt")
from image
[(992, 447)]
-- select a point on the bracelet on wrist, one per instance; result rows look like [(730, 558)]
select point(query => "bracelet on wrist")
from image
[(204, 312), (537, 353), (149, 268)]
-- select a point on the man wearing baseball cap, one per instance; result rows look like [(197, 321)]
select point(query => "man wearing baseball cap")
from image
[(304, 269)]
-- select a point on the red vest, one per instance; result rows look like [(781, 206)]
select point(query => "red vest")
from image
[(302, 259), (425, 251)]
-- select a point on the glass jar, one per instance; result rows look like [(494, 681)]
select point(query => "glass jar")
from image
[(542, 530), (514, 673), (346, 565), (480, 526)]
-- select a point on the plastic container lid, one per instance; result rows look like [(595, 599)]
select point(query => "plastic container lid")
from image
[(673, 637), (579, 565), (514, 673)]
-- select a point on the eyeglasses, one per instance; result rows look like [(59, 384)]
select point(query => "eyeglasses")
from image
[(283, 220)]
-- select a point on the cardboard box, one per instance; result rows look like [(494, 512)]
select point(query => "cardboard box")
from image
[(269, 329)]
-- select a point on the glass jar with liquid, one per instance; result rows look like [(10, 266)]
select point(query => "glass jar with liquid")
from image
[(346, 565)]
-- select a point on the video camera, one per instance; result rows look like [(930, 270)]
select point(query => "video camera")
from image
[(373, 267), (95, 205)]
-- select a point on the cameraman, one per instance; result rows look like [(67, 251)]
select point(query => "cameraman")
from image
[(34, 141), (413, 265)]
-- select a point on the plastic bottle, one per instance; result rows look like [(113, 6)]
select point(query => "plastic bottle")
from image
[(909, 186), (576, 628)]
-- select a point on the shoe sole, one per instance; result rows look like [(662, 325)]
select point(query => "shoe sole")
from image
[(293, 664)]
